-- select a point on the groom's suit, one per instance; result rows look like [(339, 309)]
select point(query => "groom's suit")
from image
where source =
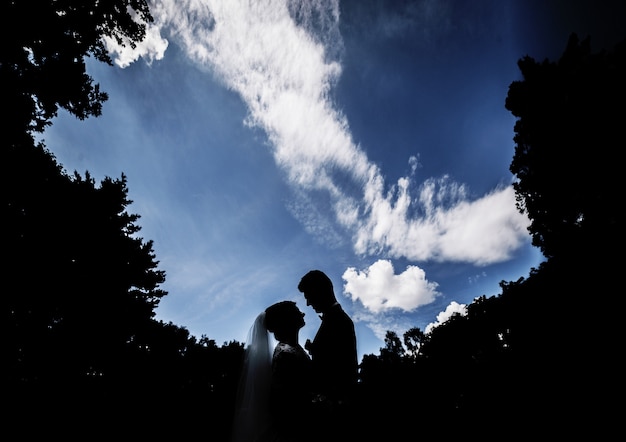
[(334, 355)]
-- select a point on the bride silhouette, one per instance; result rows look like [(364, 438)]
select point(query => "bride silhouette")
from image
[(274, 391)]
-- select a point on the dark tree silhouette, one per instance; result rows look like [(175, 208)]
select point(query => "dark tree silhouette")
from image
[(568, 164), (79, 286), (542, 357), (567, 159), (393, 351), (413, 339), (79, 339), (75, 263), (83, 355), (44, 44)]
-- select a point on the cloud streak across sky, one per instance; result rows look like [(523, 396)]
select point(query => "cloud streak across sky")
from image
[(281, 58)]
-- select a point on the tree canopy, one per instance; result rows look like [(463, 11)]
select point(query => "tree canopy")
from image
[(568, 136), (42, 56), (541, 355), (82, 349)]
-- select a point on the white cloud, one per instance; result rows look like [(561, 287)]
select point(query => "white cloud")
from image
[(451, 309), (379, 288), (151, 48), (273, 56), (314, 221), (450, 227), (284, 72)]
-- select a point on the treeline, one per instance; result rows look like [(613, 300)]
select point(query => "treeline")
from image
[(541, 359), (84, 356)]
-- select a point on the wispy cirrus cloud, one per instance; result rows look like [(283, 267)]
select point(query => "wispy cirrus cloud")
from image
[(281, 58)]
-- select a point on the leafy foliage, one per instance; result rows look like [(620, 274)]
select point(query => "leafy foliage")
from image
[(77, 309), (82, 350), (44, 44), (567, 157), (541, 356), (77, 277)]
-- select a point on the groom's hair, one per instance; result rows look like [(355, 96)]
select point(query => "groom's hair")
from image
[(317, 283)]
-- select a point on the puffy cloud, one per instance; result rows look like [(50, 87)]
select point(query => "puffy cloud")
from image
[(378, 288), (451, 309)]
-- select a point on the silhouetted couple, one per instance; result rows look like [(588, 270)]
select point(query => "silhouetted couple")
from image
[(294, 395)]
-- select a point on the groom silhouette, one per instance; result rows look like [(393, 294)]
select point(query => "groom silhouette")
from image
[(333, 355)]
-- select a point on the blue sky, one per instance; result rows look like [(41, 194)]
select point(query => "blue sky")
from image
[(367, 139)]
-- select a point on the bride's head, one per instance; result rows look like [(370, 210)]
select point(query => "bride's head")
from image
[(284, 318)]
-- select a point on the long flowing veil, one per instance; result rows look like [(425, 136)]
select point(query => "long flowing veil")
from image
[(252, 406)]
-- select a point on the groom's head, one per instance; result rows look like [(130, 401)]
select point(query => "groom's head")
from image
[(318, 290)]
